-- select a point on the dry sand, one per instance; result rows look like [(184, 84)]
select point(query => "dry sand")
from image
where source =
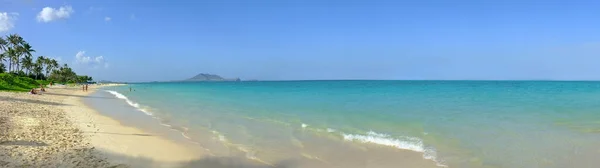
[(35, 132), (56, 129)]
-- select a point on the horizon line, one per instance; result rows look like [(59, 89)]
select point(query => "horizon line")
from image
[(299, 80)]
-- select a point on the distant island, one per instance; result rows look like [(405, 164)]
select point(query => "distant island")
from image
[(210, 77), (107, 81)]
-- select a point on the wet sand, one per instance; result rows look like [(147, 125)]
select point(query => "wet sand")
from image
[(284, 146), (123, 144), (56, 129)]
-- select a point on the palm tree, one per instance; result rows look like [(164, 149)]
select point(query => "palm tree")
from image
[(15, 41), (43, 61), (54, 64), (3, 46), (2, 56), (51, 64), (25, 50), (11, 54), (2, 67), (27, 63), (38, 67)]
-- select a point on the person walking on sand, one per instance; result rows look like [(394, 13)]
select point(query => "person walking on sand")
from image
[(86, 87)]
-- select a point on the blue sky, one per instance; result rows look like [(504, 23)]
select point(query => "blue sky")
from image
[(285, 40)]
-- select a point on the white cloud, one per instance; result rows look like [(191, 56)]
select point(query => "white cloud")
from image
[(82, 59), (107, 19), (7, 21), (49, 14)]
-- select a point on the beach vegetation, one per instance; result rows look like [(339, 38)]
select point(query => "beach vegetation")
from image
[(20, 70), (11, 82)]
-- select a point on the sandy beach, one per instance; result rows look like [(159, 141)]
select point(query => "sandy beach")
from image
[(35, 131), (55, 129)]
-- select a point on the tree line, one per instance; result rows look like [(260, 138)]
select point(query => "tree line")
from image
[(17, 58)]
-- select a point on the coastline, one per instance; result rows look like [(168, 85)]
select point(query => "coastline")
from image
[(98, 139), (123, 144), (309, 150), (55, 129)]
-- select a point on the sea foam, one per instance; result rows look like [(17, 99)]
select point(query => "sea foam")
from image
[(131, 103), (406, 143)]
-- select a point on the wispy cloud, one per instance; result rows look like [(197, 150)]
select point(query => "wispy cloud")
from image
[(107, 19), (95, 62), (49, 14), (7, 21)]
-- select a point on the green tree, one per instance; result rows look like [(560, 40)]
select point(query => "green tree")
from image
[(27, 63), (14, 41), (26, 50), (2, 68), (43, 61), (52, 65), (3, 46), (11, 54), (3, 57), (38, 67)]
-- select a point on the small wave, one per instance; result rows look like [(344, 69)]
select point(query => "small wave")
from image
[(131, 103), (163, 122), (304, 125), (406, 143), (330, 130), (219, 136)]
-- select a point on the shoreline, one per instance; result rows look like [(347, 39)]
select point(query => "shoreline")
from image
[(56, 129), (123, 144), (100, 139), (218, 145)]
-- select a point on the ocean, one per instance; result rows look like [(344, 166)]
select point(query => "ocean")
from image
[(528, 124)]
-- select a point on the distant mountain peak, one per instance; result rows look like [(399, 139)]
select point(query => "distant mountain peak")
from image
[(210, 77)]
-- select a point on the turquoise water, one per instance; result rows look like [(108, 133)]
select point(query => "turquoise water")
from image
[(454, 123)]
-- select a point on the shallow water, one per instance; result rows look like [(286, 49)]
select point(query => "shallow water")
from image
[(373, 123)]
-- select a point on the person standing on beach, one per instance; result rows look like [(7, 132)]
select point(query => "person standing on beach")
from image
[(86, 87)]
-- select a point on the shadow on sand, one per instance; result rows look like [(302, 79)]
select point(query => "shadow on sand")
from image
[(3, 98), (206, 162), (22, 143), (118, 133), (90, 157)]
